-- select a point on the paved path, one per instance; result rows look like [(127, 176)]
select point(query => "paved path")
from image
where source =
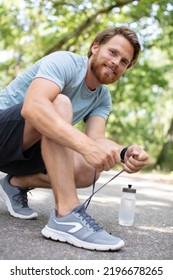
[(151, 236)]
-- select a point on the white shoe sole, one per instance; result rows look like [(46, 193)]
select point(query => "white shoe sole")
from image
[(65, 237)]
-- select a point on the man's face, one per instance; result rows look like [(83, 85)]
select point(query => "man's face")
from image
[(110, 61)]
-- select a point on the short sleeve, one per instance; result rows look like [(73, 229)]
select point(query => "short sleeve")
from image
[(57, 67), (103, 108)]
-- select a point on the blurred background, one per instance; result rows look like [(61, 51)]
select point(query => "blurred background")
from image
[(142, 100)]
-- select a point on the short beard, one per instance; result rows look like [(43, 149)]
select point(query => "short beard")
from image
[(102, 78)]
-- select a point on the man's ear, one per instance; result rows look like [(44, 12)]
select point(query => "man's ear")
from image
[(95, 48)]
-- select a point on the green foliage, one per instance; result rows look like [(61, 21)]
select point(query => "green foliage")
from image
[(142, 99)]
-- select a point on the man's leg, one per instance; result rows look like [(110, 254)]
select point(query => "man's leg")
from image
[(66, 169), (69, 221), (38, 180), (14, 188), (59, 161), (83, 172), (14, 161)]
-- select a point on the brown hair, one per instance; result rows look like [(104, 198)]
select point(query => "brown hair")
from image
[(104, 36)]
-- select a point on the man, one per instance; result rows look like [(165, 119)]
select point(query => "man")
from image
[(40, 147)]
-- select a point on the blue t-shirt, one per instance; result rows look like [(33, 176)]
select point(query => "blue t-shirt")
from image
[(68, 71)]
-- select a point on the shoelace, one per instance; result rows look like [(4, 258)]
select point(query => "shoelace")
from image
[(88, 200), (89, 220), (21, 197)]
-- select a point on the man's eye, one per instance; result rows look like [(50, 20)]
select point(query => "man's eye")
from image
[(124, 62), (112, 52)]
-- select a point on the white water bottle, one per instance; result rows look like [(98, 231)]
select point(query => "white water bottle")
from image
[(127, 206)]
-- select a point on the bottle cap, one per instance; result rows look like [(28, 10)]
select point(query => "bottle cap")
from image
[(129, 190)]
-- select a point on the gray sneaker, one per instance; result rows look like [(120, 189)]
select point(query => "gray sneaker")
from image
[(79, 229), (16, 200)]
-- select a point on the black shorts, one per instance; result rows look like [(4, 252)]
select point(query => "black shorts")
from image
[(13, 160)]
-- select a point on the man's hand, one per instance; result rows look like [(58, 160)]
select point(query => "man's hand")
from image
[(104, 155), (135, 159)]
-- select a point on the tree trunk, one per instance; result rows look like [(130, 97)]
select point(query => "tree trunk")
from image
[(165, 158)]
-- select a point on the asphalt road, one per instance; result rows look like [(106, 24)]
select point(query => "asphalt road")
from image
[(151, 236)]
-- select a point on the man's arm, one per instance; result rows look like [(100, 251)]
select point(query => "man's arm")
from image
[(100, 153), (40, 111), (95, 128)]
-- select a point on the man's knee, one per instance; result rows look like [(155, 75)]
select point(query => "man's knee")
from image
[(63, 107), (86, 177), (84, 173)]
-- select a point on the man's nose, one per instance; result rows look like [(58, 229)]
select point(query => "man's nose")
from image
[(116, 61)]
